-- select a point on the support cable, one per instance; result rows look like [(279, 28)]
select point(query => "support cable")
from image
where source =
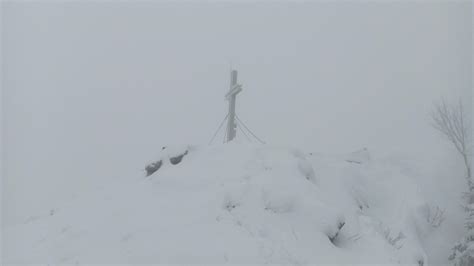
[(243, 132), (219, 128), (225, 135), (250, 131)]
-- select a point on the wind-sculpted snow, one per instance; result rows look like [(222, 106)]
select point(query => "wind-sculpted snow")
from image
[(235, 204)]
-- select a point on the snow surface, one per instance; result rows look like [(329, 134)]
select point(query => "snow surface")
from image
[(238, 203)]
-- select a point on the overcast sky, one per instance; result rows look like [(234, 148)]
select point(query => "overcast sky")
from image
[(92, 90)]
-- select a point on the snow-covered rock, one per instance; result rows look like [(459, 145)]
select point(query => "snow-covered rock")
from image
[(235, 203), (173, 155)]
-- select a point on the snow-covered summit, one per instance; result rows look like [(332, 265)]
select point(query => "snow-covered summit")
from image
[(237, 203)]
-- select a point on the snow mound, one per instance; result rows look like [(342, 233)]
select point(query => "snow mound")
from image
[(235, 203)]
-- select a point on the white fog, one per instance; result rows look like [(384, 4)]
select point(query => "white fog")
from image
[(93, 90)]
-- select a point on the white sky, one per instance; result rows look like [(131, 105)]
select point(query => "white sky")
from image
[(92, 90)]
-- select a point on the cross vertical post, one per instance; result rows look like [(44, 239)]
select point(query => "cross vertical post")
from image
[(231, 96)]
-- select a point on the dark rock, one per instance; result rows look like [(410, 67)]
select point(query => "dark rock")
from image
[(153, 167), (177, 159)]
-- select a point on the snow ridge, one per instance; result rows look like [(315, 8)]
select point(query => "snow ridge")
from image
[(237, 203)]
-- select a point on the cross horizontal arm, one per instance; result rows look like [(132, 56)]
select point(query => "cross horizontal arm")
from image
[(234, 91)]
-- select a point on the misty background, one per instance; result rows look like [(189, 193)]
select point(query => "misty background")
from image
[(93, 90)]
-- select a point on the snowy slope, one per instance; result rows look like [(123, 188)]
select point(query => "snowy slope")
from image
[(237, 203)]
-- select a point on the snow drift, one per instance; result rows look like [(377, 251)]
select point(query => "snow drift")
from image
[(237, 203)]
